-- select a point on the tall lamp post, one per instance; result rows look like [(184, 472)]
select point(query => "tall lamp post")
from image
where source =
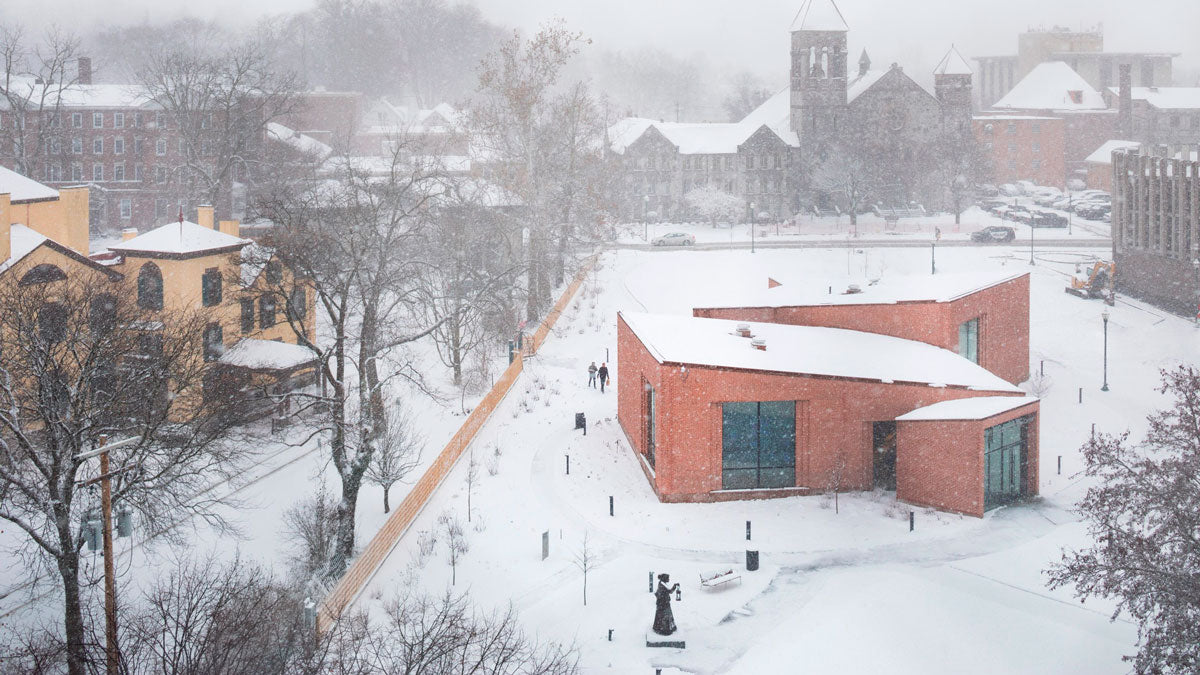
[(1104, 315), (1031, 229), (646, 218), (753, 221), (1196, 270)]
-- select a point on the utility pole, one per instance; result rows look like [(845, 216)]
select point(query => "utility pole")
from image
[(112, 653)]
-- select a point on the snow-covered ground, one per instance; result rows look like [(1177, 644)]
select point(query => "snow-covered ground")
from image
[(853, 591), (869, 228)]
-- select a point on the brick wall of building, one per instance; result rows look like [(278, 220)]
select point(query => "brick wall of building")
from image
[(1018, 148)]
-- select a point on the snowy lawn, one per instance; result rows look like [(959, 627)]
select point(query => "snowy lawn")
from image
[(853, 590)]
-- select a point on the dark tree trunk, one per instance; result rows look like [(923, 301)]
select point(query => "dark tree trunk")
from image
[(386, 507), (68, 569)]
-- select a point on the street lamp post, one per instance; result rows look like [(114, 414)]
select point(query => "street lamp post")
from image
[(646, 218), (753, 221), (1070, 209), (1104, 315), (1031, 229)]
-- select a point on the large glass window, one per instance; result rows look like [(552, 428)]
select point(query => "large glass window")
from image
[(968, 340), (1006, 449), (649, 420), (210, 287), (758, 442)]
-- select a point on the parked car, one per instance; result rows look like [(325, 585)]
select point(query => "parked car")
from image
[(994, 233), (1094, 211), (674, 239), (1043, 218)]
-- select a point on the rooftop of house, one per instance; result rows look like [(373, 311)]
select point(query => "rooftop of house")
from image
[(1052, 86), (23, 189), (1103, 154), (22, 241), (180, 238), (974, 408), (81, 95), (1165, 98), (807, 350), (811, 292), (297, 141)]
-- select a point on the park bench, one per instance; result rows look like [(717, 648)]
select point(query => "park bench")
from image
[(719, 578)]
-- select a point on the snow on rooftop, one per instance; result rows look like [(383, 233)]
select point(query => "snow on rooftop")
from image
[(1176, 98), (976, 408), (890, 290), (1052, 86), (81, 95), (1103, 154), (267, 355), (952, 64), (22, 241), (860, 84), (776, 114), (297, 140), (23, 189), (185, 237), (819, 15), (807, 350)]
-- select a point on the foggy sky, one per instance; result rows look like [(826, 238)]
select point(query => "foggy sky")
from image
[(750, 34)]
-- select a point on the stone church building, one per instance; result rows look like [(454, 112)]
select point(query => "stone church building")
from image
[(833, 138)]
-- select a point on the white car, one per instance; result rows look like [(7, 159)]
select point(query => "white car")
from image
[(674, 239)]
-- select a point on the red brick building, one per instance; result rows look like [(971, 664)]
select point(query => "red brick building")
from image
[(1023, 147), (914, 394)]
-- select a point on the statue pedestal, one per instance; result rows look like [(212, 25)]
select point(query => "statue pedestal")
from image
[(675, 640)]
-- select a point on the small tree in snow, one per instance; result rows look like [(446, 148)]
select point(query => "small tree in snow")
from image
[(472, 479), (397, 453), (1144, 515), (585, 560), (456, 542), (714, 205), (837, 478)]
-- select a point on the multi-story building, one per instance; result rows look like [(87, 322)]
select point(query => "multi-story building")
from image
[(1023, 147), (1156, 228), (1082, 51), (783, 154), (1158, 117)]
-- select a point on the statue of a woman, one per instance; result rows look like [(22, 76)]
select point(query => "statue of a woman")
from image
[(664, 620)]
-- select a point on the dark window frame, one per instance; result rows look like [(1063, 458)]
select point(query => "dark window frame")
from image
[(210, 287)]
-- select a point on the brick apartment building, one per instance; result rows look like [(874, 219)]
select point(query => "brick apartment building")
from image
[(1023, 147), (905, 386)]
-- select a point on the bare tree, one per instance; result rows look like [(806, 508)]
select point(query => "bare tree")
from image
[(355, 236), (83, 363), (585, 560), (1143, 513), (309, 525), (397, 452), (746, 93), (847, 178), (456, 542), (837, 478), (219, 106), (33, 82), (472, 480)]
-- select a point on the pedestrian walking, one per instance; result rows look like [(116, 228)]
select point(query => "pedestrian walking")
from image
[(603, 375), (592, 375)]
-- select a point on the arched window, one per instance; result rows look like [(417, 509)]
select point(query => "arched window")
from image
[(150, 287), (52, 322), (42, 274)]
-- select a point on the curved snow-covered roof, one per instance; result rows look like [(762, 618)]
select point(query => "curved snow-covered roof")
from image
[(175, 239)]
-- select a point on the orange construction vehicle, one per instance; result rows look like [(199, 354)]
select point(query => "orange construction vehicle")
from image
[(1096, 282)]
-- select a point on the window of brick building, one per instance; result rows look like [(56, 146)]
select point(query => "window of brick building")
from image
[(76, 171), (758, 445), (1011, 129), (138, 146), (119, 171), (1036, 147), (77, 146), (160, 120), (77, 120), (160, 147), (97, 120), (160, 209), (119, 146), (1036, 127), (968, 340), (1037, 164), (118, 120), (126, 207), (97, 172), (139, 172), (137, 120), (160, 174), (97, 146)]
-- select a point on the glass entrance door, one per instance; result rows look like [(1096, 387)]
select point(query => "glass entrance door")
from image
[(1006, 448)]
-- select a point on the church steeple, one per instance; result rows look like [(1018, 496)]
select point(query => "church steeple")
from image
[(818, 98), (952, 86), (864, 64)]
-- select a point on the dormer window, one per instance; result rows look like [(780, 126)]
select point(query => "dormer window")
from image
[(1076, 96)]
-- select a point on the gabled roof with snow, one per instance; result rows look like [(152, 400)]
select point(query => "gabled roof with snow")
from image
[(81, 95), (1103, 154), (975, 408), (861, 83), (297, 141), (22, 241), (776, 114), (807, 350), (267, 355), (180, 239), (1052, 86), (704, 138), (819, 15), (1166, 98), (889, 291), (23, 189), (952, 64)]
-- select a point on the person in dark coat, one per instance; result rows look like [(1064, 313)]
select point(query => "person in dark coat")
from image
[(592, 375), (603, 375), (664, 619)]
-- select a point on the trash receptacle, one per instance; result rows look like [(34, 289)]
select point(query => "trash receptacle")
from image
[(751, 561)]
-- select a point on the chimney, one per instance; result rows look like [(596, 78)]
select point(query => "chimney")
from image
[(231, 227), (759, 343), (75, 218), (204, 217), (129, 233), (1125, 104), (5, 228), (83, 70), (743, 330)]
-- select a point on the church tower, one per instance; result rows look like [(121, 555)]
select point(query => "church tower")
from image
[(952, 86), (818, 71)]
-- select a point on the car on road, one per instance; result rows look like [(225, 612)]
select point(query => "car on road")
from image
[(1043, 218), (674, 239), (994, 233)]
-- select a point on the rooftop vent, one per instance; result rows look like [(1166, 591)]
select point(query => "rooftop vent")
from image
[(852, 289), (759, 343), (743, 330)]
